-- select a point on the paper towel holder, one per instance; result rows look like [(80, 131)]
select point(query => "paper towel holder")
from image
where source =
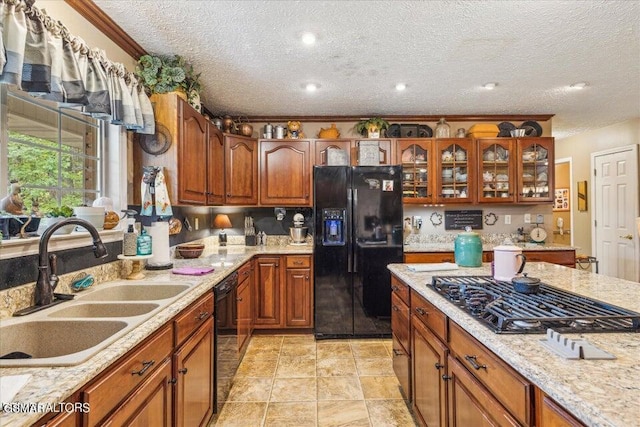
[(160, 245)]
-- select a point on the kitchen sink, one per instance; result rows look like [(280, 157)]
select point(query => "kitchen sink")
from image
[(91, 310), (135, 292), (55, 342)]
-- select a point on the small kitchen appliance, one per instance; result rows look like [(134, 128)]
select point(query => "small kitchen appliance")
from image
[(298, 233)]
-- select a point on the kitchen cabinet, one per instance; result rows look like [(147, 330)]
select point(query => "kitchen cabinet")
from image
[(566, 257), (63, 419), (496, 172), (240, 170), (454, 177), (386, 151), (400, 336), (268, 294), (215, 166), (298, 292), (245, 304), (321, 147), (192, 156), (418, 166), (536, 166), (550, 414), (428, 257), (562, 257), (285, 173)]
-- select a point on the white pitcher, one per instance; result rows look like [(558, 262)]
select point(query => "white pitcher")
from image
[(506, 263)]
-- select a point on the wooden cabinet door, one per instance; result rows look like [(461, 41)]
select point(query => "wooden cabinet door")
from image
[(150, 405), (285, 173), (470, 404), (215, 166), (402, 367), (245, 312), (456, 172), (298, 296), (268, 293), (64, 419), (550, 414), (417, 157), (536, 166), (386, 150), (496, 171), (192, 155), (241, 170), (320, 147), (193, 369), (429, 357)]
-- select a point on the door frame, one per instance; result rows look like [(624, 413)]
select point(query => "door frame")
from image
[(573, 190), (592, 194)]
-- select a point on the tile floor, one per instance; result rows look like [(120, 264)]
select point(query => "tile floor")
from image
[(298, 381)]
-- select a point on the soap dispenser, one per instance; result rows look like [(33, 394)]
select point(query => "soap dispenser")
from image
[(143, 243), (129, 239)]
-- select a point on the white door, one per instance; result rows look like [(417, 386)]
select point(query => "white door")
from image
[(615, 193)]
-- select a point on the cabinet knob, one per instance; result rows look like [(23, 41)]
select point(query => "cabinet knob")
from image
[(421, 311), (439, 366), (238, 299), (173, 381), (397, 352), (228, 194), (183, 371), (394, 308), (202, 315), (446, 377)]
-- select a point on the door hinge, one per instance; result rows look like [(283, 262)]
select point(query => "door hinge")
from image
[(595, 222), (595, 172)]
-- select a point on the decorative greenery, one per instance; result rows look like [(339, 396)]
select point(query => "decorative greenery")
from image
[(63, 211), (374, 124), (162, 74)]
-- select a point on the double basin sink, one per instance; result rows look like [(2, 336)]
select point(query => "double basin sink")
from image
[(72, 332)]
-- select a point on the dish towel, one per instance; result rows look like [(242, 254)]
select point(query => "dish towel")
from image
[(153, 184), (438, 266)]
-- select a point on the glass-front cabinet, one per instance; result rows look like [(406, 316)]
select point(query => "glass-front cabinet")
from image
[(416, 157), (456, 172), (496, 172), (535, 175)]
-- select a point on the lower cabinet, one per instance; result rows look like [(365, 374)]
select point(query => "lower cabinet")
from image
[(298, 292), (550, 414), (268, 298), (245, 305), (566, 257)]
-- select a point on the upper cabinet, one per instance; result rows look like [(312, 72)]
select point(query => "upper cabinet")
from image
[(285, 173), (321, 148), (454, 176), (362, 152), (192, 155), (536, 163), (496, 172), (241, 170), (418, 165)]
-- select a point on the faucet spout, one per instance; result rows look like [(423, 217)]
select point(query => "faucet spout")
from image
[(47, 277)]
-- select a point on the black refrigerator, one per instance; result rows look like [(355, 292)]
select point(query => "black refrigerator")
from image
[(358, 232)]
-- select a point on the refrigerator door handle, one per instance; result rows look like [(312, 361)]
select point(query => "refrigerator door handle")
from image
[(347, 226), (354, 240)]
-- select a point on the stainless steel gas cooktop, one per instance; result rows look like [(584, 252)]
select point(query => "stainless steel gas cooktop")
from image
[(498, 306)]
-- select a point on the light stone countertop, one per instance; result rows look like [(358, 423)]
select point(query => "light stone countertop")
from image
[(598, 392), (448, 247), (52, 385)]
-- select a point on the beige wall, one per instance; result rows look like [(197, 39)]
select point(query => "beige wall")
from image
[(563, 180), (579, 148)]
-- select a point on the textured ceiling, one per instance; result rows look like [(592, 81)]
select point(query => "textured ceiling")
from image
[(253, 62)]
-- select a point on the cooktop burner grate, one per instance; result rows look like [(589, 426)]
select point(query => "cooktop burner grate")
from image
[(498, 306)]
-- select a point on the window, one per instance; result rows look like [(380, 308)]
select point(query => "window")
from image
[(54, 153)]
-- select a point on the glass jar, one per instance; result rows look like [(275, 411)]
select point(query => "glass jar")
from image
[(442, 129)]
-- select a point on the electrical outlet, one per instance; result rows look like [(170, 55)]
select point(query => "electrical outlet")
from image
[(196, 223), (417, 221), (539, 219), (507, 219), (527, 218)]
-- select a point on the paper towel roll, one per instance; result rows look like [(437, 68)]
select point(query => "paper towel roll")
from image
[(159, 232)]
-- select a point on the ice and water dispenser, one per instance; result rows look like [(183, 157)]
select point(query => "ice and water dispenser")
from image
[(333, 226)]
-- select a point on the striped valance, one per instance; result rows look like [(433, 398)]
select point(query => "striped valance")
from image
[(41, 57)]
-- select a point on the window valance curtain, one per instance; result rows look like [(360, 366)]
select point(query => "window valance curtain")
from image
[(41, 57)]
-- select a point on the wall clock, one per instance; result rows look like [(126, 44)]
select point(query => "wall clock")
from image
[(157, 143)]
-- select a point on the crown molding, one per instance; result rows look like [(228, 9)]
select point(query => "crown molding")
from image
[(96, 16), (409, 118)]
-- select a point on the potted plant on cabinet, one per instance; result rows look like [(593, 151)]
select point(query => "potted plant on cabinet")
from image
[(163, 74), (372, 127)]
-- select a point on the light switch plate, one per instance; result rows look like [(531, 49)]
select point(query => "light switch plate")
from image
[(527, 218), (507, 219)]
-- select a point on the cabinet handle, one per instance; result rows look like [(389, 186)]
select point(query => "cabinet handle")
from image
[(439, 366), (306, 277), (395, 288), (297, 262), (228, 194), (246, 273), (397, 352), (447, 260), (446, 377), (183, 371), (202, 315), (473, 362), (421, 311), (173, 381), (238, 299), (145, 368)]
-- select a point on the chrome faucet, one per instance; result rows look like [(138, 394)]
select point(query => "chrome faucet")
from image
[(47, 264)]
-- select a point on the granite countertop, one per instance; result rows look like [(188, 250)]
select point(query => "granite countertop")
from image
[(598, 392), (52, 385), (448, 247)]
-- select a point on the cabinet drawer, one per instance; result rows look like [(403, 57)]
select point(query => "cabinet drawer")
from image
[(428, 257), (298, 261), (554, 257), (400, 289), (125, 375), (244, 271), (428, 314), (192, 317), (400, 321), (513, 391)]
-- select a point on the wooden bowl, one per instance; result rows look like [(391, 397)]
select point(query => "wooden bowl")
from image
[(190, 250)]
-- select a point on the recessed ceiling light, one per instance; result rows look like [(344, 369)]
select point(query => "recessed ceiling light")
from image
[(308, 38), (490, 85), (578, 85), (401, 86), (311, 87)]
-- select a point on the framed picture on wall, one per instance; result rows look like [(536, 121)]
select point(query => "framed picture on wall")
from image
[(561, 201)]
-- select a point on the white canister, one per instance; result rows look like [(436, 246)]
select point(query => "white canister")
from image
[(507, 262)]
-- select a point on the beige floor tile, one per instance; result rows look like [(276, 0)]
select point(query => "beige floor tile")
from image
[(298, 349), (369, 350), (246, 389), (299, 339), (257, 367), (352, 413), (380, 387), (389, 413), (333, 350), (294, 390), (242, 414), (291, 414), (262, 352), (296, 367), (374, 367), (336, 367), (339, 388)]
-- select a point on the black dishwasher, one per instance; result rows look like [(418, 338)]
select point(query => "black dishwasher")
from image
[(226, 351)]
